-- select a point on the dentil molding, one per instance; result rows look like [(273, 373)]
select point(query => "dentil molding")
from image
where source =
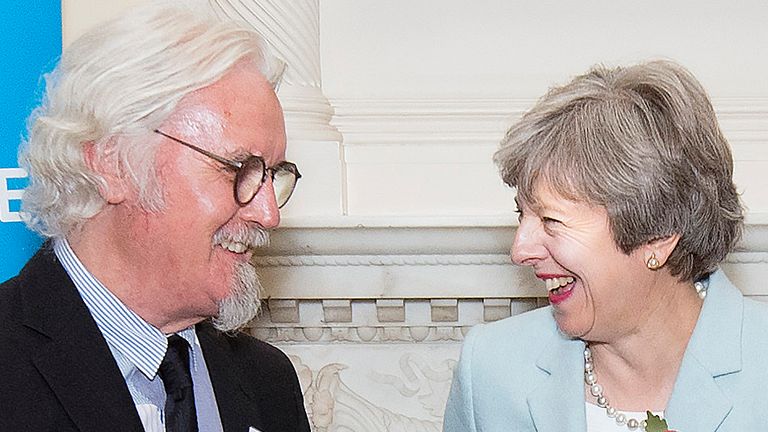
[(395, 285)]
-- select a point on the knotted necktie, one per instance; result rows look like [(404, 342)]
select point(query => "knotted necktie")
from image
[(180, 415)]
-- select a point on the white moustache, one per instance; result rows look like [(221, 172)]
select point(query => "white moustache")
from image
[(241, 239)]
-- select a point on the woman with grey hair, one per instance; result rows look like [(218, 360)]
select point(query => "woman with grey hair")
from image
[(627, 206)]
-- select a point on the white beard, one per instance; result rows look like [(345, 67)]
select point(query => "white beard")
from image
[(243, 303), (244, 300)]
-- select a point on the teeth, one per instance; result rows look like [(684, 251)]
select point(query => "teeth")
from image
[(234, 246), (555, 283)]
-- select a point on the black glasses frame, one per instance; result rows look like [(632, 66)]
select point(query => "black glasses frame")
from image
[(251, 164)]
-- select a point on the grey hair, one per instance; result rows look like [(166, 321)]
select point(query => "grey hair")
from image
[(111, 88), (644, 143)]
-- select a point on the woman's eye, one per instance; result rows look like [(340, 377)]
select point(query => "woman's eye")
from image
[(548, 220)]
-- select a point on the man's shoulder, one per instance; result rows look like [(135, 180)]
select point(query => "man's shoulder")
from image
[(259, 369), (33, 284), (41, 265), (9, 295), (244, 347), (10, 301)]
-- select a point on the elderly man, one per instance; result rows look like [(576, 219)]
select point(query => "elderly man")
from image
[(157, 163)]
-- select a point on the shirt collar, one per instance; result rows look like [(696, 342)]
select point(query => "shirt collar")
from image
[(140, 343)]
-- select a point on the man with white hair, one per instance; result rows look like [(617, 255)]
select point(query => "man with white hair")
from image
[(157, 165)]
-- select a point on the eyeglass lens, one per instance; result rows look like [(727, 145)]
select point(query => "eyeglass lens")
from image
[(251, 176), (284, 180)]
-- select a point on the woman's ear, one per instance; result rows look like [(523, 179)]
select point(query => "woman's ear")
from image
[(105, 163), (657, 252)]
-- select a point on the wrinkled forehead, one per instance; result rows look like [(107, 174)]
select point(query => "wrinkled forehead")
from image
[(240, 111), (195, 120)]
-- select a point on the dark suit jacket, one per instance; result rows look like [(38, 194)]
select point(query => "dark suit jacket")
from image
[(58, 374)]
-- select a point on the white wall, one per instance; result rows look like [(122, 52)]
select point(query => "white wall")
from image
[(516, 49), (79, 15), (434, 84), (423, 90)]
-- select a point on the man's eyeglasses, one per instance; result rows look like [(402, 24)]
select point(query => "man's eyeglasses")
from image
[(251, 174)]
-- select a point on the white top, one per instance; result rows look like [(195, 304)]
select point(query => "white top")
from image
[(598, 420)]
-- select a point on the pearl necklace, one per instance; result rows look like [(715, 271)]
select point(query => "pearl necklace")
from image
[(597, 391)]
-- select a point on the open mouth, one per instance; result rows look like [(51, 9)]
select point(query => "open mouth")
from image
[(559, 288), (234, 246)]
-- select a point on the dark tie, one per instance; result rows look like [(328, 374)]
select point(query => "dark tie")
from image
[(180, 415)]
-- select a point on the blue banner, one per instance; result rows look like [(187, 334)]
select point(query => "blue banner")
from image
[(31, 44)]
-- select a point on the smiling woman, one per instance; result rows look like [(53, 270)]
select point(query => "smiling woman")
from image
[(627, 206)]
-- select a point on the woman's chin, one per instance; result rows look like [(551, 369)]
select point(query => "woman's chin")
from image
[(569, 326)]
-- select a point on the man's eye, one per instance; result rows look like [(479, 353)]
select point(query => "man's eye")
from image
[(549, 220), (229, 169)]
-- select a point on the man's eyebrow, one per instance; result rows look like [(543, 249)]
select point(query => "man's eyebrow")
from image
[(239, 155)]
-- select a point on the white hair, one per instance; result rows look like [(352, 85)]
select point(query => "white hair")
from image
[(114, 86)]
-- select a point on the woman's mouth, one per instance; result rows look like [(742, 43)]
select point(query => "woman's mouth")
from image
[(559, 288)]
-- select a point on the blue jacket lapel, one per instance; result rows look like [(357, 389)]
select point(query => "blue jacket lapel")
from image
[(558, 403), (698, 402)]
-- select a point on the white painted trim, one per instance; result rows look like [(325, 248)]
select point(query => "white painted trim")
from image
[(462, 121)]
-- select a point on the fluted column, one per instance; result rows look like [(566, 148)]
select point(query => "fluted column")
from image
[(292, 28)]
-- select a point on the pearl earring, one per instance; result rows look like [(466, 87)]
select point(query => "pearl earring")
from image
[(653, 263)]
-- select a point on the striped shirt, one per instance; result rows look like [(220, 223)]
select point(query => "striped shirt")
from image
[(138, 348)]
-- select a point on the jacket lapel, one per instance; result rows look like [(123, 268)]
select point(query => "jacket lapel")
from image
[(558, 403), (698, 403), (236, 401), (73, 357)]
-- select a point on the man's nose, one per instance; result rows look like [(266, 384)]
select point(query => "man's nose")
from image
[(263, 208), (528, 248)]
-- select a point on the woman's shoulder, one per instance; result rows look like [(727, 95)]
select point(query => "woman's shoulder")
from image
[(755, 313), (517, 334), (534, 319), (755, 319)]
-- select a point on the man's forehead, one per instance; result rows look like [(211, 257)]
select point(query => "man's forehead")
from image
[(239, 111), (198, 120)]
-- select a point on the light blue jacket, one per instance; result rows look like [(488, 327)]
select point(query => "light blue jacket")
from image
[(520, 374)]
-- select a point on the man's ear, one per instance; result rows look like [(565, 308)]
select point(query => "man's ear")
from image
[(659, 250), (105, 163)]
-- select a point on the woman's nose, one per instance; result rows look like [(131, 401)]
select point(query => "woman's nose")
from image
[(528, 248)]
